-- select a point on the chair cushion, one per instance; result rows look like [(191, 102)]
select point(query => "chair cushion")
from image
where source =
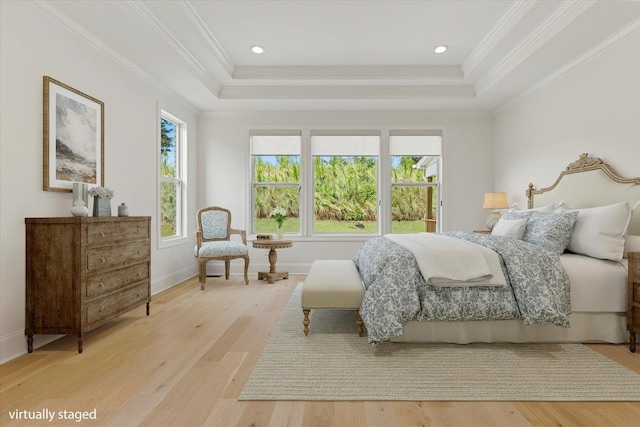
[(222, 248), (214, 224)]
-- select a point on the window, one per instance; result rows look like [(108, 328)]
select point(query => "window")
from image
[(275, 168), (345, 181), (415, 164), (172, 173)]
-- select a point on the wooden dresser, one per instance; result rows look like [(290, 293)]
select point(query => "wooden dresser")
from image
[(84, 271), (633, 299)]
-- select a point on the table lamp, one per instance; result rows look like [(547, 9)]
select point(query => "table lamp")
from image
[(494, 201)]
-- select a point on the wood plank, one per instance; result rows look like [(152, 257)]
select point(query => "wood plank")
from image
[(187, 363)]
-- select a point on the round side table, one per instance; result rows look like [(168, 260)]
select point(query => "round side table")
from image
[(272, 275)]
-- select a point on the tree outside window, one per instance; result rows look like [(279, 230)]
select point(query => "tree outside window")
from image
[(171, 182)]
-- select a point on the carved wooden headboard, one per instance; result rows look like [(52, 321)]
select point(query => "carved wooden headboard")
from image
[(586, 183)]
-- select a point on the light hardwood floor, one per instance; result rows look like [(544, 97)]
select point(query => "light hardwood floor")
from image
[(186, 364)]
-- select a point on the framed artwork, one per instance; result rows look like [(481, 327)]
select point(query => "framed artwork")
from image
[(73, 137)]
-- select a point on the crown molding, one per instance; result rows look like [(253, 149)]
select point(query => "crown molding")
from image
[(61, 19), (562, 16), (631, 30), (439, 73), (510, 19), (346, 92), (210, 82), (225, 60)]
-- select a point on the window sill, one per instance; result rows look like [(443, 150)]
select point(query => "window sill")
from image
[(169, 242)]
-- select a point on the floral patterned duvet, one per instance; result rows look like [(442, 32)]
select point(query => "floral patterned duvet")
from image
[(396, 292)]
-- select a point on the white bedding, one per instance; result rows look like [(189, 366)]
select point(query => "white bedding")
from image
[(598, 302), (596, 285), (448, 261)]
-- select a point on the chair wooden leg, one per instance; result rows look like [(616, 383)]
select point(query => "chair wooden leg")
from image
[(203, 274), (227, 266), (359, 322), (246, 270), (305, 322)]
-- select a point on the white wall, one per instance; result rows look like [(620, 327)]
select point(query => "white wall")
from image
[(594, 109), (32, 45), (224, 170)]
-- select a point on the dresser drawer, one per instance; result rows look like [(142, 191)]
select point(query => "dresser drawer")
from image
[(108, 232), (113, 305), (117, 255), (115, 279)]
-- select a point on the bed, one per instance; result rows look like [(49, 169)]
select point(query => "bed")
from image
[(580, 294)]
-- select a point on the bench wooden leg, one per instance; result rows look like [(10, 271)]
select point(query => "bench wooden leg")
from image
[(305, 322), (359, 322)]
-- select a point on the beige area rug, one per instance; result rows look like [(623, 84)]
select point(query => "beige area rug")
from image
[(333, 363)]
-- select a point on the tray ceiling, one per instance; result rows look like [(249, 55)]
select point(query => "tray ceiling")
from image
[(348, 55)]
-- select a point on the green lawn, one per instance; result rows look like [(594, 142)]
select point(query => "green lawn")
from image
[(292, 225)]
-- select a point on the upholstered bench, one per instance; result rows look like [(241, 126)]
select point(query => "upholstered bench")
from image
[(332, 285)]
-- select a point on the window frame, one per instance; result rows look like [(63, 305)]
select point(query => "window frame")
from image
[(346, 132), (383, 179), (437, 152), (255, 184), (179, 181)]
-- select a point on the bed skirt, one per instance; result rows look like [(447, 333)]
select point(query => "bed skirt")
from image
[(585, 327)]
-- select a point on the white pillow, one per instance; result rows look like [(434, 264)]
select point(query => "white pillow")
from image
[(600, 232), (513, 228), (544, 209), (631, 244), (562, 207)]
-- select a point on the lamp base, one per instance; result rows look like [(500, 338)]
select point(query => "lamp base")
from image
[(492, 219)]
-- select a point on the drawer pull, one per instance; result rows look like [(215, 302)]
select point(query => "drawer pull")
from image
[(138, 231), (102, 308), (138, 253), (138, 274), (102, 284), (138, 295), (103, 259), (102, 234)]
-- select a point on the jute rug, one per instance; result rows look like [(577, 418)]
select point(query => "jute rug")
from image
[(333, 363)]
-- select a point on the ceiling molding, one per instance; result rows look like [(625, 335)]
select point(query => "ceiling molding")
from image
[(562, 16), (78, 31), (225, 60), (631, 30), (438, 73), (210, 82), (61, 19), (497, 34), (347, 92)]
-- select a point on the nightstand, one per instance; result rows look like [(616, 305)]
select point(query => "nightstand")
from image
[(633, 299), (482, 231)]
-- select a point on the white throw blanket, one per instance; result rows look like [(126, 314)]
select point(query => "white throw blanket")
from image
[(447, 261)]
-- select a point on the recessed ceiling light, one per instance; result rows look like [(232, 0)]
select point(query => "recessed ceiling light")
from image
[(441, 49), (257, 49)]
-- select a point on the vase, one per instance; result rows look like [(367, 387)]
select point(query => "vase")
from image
[(101, 206), (123, 210), (79, 209), (279, 232)]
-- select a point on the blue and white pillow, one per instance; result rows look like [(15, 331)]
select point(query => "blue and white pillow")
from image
[(551, 231)]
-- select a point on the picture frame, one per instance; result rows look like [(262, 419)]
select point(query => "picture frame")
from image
[(73, 137)]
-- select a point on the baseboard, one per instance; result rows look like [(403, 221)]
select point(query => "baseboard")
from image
[(170, 280), (15, 344), (237, 268)]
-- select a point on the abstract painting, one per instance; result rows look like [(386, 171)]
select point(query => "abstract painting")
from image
[(73, 134)]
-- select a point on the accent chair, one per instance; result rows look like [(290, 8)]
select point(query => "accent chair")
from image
[(213, 241)]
